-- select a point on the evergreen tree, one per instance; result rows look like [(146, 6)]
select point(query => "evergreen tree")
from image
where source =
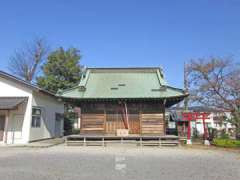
[(61, 71)]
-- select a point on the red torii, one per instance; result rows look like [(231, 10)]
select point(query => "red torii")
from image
[(193, 116)]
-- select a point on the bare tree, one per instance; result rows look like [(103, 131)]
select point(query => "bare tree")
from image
[(215, 82), (25, 63)]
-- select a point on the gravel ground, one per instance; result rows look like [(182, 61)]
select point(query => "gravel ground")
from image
[(148, 163)]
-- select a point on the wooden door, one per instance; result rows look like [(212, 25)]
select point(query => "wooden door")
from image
[(92, 123), (92, 118), (2, 126), (115, 119), (152, 119), (58, 124), (134, 122), (152, 124)]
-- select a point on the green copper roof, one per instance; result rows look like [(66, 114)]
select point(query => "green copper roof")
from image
[(113, 83)]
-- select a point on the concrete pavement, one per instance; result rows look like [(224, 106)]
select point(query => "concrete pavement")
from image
[(147, 163)]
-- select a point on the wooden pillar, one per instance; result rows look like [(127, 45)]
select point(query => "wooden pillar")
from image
[(164, 123), (6, 126), (81, 118), (105, 119), (77, 110), (140, 118)]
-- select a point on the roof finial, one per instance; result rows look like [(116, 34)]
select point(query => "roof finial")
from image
[(161, 72), (83, 72)]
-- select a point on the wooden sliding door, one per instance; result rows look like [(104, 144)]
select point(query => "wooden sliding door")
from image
[(92, 119), (152, 119), (106, 118), (115, 118)]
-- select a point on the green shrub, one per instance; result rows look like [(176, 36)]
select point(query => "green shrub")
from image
[(69, 119), (226, 142), (76, 131), (224, 135)]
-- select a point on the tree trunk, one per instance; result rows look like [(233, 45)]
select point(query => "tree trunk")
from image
[(236, 116), (238, 131)]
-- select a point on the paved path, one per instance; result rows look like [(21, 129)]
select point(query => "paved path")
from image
[(117, 163)]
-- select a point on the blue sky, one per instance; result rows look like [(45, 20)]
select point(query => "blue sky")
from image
[(122, 33)]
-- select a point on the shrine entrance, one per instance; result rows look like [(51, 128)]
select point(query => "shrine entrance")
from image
[(194, 116)]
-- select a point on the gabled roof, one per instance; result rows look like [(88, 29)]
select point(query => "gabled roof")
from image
[(122, 83), (24, 83)]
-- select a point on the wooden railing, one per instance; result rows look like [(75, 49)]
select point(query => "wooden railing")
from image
[(84, 140)]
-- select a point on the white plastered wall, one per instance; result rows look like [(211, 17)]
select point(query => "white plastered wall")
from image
[(49, 106), (16, 132), (209, 123)]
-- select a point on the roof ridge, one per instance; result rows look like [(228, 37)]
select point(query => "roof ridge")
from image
[(143, 67)]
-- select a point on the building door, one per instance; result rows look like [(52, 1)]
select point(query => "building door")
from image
[(2, 126), (16, 128), (58, 124), (115, 119)]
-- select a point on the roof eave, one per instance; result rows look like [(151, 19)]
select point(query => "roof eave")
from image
[(121, 98), (27, 84)]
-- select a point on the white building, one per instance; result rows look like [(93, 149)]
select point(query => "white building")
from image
[(27, 113), (216, 120)]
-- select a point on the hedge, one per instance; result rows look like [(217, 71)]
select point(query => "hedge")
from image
[(226, 142)]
